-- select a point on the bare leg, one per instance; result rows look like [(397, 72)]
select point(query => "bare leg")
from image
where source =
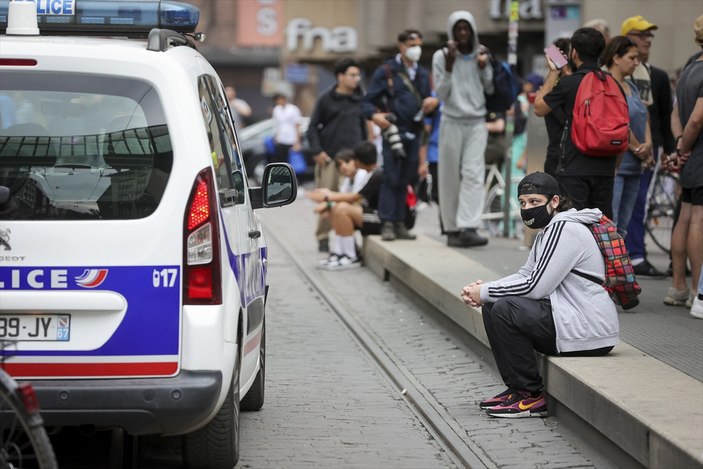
[(346, 218), (678, 247), (694, 245)]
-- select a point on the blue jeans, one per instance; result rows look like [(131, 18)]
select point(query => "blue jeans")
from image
[(625, 191), (635, 237), (397, 174)]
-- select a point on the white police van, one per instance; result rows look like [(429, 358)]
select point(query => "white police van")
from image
[(132, 264)]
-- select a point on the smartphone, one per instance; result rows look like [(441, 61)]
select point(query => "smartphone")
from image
[(556, 56)]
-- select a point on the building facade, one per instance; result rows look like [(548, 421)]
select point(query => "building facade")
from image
[(268, 46)]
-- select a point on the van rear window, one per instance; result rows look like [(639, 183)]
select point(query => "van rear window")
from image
[(77, 147)]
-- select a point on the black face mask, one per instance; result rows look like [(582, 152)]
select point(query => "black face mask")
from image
[(536, 217)]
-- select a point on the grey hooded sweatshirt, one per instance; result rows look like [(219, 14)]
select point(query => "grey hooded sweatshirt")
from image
[(585, 317), (462, 90)]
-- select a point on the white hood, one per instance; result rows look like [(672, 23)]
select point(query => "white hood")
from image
[(457, 16), (585, 216)]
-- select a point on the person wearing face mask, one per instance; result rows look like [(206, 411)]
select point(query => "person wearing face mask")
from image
[(462, 74), (397, 100), (546, 305)]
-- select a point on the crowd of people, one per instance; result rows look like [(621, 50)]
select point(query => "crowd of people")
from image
[(436, 125)]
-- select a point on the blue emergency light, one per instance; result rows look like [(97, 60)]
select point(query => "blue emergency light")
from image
[(134, 18)]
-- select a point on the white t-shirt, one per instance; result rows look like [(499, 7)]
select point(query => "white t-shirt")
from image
[(355, 185), (287, 118)]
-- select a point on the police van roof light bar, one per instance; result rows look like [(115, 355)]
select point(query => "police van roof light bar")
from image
[(133, 18)]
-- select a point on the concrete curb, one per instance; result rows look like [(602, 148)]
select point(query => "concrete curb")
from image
[(650, 410)]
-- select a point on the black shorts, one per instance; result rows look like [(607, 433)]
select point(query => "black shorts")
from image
[(371, 222), (693, 195)]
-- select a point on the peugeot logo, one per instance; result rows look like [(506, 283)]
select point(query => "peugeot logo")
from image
[(5, 239)]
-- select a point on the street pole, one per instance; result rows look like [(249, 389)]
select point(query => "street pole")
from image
[(510, 119)]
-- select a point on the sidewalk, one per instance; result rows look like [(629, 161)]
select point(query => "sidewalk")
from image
[(646, 396)]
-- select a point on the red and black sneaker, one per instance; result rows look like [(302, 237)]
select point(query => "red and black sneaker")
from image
[(521, 405), (496, 400)]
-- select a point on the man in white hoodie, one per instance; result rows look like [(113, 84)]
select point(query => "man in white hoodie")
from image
[(462, 73)]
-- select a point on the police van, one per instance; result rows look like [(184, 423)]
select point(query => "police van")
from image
[(132, 264)]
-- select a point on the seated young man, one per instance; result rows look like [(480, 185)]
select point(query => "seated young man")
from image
[(351, 211), (546, 306)]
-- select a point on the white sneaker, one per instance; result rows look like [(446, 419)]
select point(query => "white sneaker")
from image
[(344, 262), (332, 258), (697, 308)]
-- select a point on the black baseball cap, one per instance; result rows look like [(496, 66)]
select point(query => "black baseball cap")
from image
[(538, 183)]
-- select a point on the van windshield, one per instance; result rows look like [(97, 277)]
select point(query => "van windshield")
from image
[(76, 147)]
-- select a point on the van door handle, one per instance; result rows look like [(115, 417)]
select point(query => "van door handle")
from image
[(254, 234)]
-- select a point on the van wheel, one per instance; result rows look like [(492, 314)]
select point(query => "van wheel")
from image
[(254, 399), (216, 445)]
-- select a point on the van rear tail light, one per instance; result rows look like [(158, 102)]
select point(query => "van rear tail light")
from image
[(17, 62), (201, 257), (200, 284)]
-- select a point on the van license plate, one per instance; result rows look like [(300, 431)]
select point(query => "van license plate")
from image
[(46, 327)]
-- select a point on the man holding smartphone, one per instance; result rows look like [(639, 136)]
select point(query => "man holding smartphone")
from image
[(554, 121), (462, 74), (586, 180)]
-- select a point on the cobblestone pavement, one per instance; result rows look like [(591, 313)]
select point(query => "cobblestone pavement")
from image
[(327, 403), (447, 368)]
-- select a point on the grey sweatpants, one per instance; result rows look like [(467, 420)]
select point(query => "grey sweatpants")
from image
[(461, 169)]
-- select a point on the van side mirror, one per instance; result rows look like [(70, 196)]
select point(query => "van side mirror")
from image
[(279, 188)]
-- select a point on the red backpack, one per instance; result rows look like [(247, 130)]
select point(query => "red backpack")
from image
[(601, 121)]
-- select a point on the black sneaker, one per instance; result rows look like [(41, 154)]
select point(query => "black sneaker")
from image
[(471, 238), (645, 269), (453, 240)]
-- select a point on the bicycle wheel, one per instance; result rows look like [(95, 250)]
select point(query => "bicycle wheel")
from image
[(493, 210), (23, 440), (661, 208)]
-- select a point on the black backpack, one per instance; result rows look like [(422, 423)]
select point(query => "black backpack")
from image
[(505, 85), (520, 119)]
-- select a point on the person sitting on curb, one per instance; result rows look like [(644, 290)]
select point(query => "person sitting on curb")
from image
[(353, 210), (354, 179), (545, 306)]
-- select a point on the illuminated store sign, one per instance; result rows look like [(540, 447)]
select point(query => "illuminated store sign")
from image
[(301, 35)]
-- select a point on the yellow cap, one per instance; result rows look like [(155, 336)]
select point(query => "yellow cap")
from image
[(636, 23)]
